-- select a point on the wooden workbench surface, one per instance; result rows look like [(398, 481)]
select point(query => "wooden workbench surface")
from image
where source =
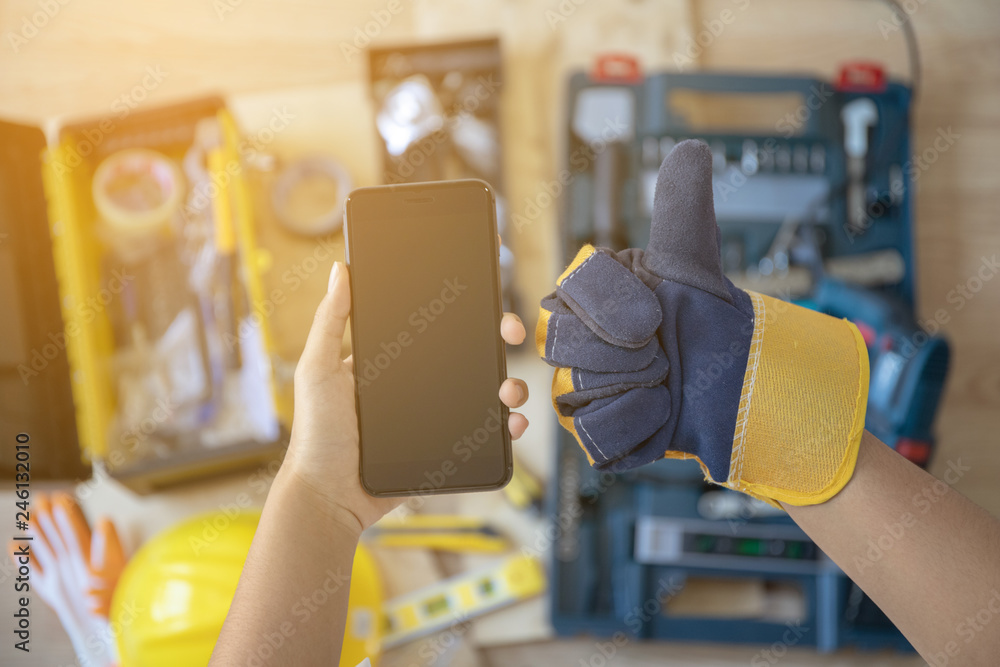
[(268, 54)]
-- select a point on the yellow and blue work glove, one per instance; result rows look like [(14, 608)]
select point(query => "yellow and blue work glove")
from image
[(659, 355)]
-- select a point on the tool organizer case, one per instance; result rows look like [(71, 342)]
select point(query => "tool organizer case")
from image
[(599, 585), (599, 588), (749, 213)]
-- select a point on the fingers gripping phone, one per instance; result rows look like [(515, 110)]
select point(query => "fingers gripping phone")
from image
[(425, 329)]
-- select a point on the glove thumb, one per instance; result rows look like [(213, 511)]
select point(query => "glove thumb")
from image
[(684, 237)]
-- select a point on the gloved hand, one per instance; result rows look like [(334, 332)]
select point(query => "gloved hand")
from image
[(659, 355), (75, 572)]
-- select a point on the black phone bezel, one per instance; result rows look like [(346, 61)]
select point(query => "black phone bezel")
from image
[(415, 194)]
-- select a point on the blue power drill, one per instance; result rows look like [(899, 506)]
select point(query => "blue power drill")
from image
[(908, 365)]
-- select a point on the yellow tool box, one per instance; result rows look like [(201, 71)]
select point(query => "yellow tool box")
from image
[(164, 340)]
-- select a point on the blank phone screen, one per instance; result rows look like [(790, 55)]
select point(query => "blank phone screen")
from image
[(428, 359)]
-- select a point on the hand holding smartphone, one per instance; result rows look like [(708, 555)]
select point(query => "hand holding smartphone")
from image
[(425, 322)]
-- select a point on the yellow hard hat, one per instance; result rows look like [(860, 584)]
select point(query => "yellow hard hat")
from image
[(174, 594)]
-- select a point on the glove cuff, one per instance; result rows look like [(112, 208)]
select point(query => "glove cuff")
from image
[(802, 408)]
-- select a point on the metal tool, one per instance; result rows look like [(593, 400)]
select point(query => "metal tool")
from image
[(725, 505), (858, 116), (692, 542), (871, 269), (604, 119)]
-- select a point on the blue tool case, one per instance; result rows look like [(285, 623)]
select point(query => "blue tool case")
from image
[(813, 189)]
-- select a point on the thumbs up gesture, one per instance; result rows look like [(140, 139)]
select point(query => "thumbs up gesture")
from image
[(658, 354)]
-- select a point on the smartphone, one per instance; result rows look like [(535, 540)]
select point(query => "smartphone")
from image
[(425, 330)]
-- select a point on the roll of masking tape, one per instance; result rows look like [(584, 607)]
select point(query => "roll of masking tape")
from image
[(137, 192)]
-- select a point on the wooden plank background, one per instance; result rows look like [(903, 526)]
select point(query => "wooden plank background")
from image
[(266, 53)]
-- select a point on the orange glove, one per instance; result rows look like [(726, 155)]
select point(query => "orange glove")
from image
[(74, 571)]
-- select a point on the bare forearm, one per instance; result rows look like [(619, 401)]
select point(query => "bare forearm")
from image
[(291, 602), (925, 554)]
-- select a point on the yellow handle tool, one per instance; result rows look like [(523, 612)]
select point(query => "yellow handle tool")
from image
[(443, 532)]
